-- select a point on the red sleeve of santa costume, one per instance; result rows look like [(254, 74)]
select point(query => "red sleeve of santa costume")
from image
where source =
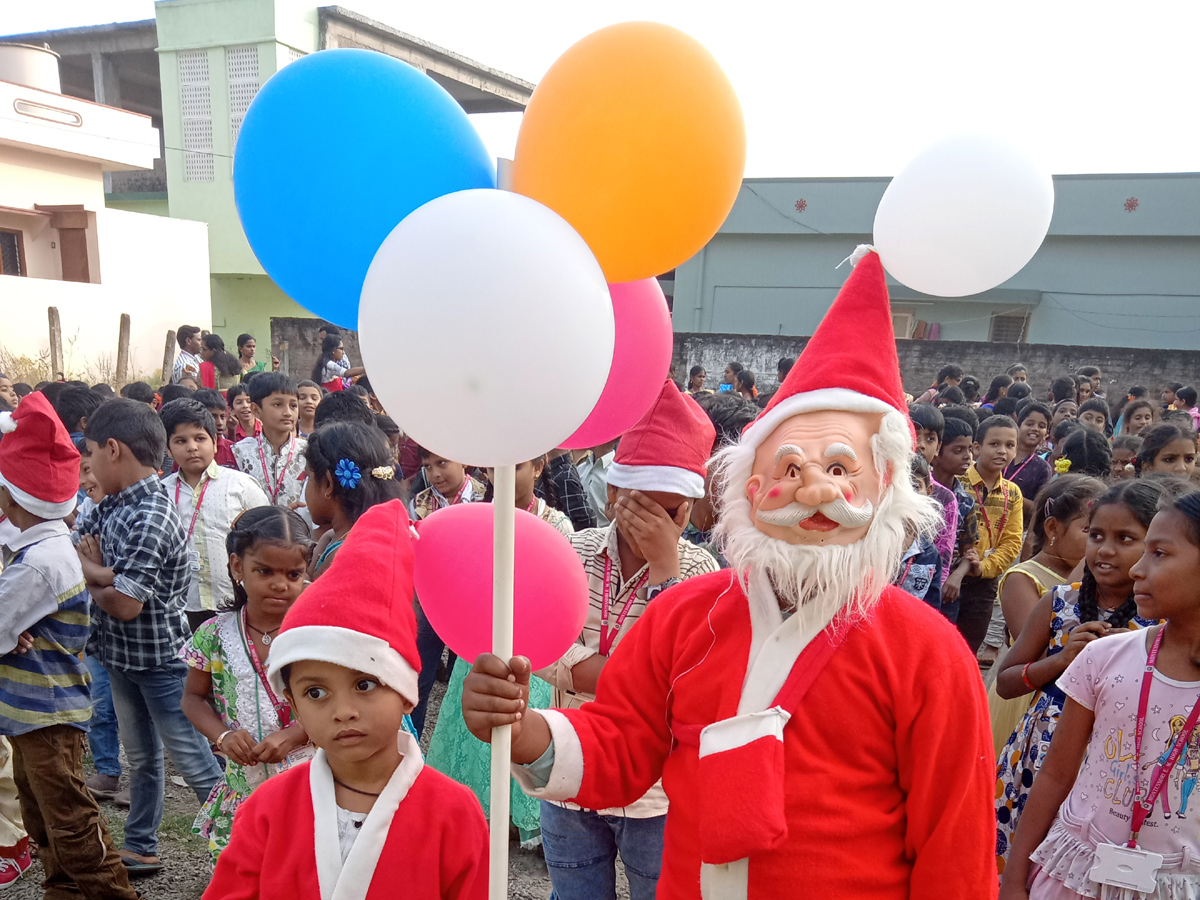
[(944, 737)]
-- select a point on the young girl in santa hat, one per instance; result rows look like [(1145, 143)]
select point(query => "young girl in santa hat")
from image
[(1127, 744), (268, 550), (366, 811)]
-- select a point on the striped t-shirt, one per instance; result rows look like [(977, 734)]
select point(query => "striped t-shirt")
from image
[(42, 591)]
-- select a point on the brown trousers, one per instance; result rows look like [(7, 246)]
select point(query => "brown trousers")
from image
[(62, 817)]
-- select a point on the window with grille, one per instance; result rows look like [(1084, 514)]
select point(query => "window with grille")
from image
[(242, 68), (196, 102), (11, 262), (1009, 328)]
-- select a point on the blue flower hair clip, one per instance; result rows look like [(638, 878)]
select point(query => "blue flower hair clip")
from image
[(347, 473)]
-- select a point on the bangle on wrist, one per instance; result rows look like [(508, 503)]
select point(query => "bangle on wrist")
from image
[(1025, 677), (221, 739)]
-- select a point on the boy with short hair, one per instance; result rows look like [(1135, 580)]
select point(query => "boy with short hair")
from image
[(1001, 520), (449, 484), (46, 702), (187, 364), (920, 571), (208, 499), (139, 391), (73, 406), (930, 424), (134, 553), (275, 457), (949, 466), (214, 402), (366, 814)]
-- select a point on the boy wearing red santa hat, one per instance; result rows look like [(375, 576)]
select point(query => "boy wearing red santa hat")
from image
[(819, 733), (365, 816)]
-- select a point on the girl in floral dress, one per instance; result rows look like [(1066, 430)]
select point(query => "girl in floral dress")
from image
[(269, 549), (1065, 621)]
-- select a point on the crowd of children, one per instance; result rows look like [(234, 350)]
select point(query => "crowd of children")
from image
[(154, 543)]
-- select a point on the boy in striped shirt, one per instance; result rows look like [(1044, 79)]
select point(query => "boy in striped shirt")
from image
[(45, 703)]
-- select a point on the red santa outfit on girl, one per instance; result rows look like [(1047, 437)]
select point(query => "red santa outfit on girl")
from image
[(840, 750), (425, 838)]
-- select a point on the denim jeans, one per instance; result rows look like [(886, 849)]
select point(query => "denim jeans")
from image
[(103, 739), (429, 648), (581, 853), (148, 709)]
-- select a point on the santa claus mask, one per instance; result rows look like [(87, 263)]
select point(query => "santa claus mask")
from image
[(814, 479)]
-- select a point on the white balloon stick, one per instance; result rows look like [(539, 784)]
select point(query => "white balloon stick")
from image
[(504, 509), (504, 506)]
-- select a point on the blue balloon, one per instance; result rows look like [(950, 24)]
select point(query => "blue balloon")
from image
[(335, 150)]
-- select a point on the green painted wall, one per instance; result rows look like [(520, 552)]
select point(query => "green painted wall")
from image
[(245, 304)]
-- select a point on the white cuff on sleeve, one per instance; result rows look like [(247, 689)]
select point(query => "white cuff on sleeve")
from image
[(566, 777)]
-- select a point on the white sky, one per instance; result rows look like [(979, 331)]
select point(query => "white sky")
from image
[(832, 87)]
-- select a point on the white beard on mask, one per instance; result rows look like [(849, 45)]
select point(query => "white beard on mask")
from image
[(821, 582)]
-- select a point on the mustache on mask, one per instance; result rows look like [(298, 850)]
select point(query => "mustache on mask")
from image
[(839, 510)]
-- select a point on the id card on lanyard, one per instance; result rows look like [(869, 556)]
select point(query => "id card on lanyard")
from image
[(193, 554), (987, 522), (607, 638), (275, 489)]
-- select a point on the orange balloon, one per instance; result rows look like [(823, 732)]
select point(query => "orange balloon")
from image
[(636, 137)]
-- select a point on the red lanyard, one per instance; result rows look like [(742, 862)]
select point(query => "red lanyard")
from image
[(1143, 805), (282, 709), (262, 456), (457, 497), (1020, 468), (987, 522), (532, 506), (199, 500), (907, 569), (607, 638)]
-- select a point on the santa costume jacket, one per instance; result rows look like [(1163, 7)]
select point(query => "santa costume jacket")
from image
[(887, 769), (425, 839)]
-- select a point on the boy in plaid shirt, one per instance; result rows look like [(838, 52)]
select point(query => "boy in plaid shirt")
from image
[(135, 559)]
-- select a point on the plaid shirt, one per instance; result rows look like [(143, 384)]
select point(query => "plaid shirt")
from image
[(572, 498), (142, 539)]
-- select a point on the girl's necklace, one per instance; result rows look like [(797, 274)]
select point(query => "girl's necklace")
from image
[(354, 789), (266, 635)]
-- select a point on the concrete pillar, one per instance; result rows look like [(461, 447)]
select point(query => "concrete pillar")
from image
[(107, 86)]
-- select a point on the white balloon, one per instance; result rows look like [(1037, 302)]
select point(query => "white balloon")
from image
[(964, 216), (487, 327)]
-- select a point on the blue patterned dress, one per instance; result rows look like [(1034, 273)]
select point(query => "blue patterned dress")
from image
[(1025, 751)]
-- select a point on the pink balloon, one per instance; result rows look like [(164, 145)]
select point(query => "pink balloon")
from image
[(641, 360), (452, 572)]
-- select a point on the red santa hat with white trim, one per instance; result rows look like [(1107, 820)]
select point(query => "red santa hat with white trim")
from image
[(38, 463), (850, 362), (668, 448), (359, 614)]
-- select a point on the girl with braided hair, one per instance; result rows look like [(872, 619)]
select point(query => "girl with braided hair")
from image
[(1064, 621)]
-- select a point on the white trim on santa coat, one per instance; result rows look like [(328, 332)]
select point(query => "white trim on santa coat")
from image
[(566, 775), (352, 880)]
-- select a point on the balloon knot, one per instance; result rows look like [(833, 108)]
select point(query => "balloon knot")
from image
[(859, 252)]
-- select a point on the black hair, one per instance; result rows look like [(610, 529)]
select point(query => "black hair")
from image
[(367, 449), (1035, 407), (735, 367), (1005, 406), (171, 392), (1088, 372), (1156, 437), (185, 333), (999, 383), (1097, 404), (387, 425), (1189, 505), (105, 391), (1180, 417), (694, 371), (1130, 442), (1064, 388), (264, 384), (236, 391), (927, 417), (186, 411), (784, 366), (210, 399), (970, 388), (1063, 429), (952, 396), (1142, 498), (1019, 390), (329, 329), (133, 424), (1134, 405), (139, 391), (1015, 368), (993, 422), (1173, 386), (263, 524), (965, 413), (22, 389), (223, 361), (956, 428), (424, 453), (1186, 396), (309, 383), (358, 391), (52, 391), (918, 467), (1062, 498), (75, 404), (746, 377), (328, 346), (948, 371), (365, 383), (730, 413), (82, 447), (243, 339), (342, 406), (1088, 452)]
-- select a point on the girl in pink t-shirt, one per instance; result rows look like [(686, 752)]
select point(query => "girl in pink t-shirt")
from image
[(1084, 797)]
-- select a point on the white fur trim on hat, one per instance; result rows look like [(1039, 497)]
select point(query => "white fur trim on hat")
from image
[(811, 401), (657, 478), (7, 423), (342, 647), (43, 509)]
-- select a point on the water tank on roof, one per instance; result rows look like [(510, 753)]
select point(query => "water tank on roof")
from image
[(35, 67)]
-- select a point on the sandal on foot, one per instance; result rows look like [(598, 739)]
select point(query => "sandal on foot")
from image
[(139, 866)]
